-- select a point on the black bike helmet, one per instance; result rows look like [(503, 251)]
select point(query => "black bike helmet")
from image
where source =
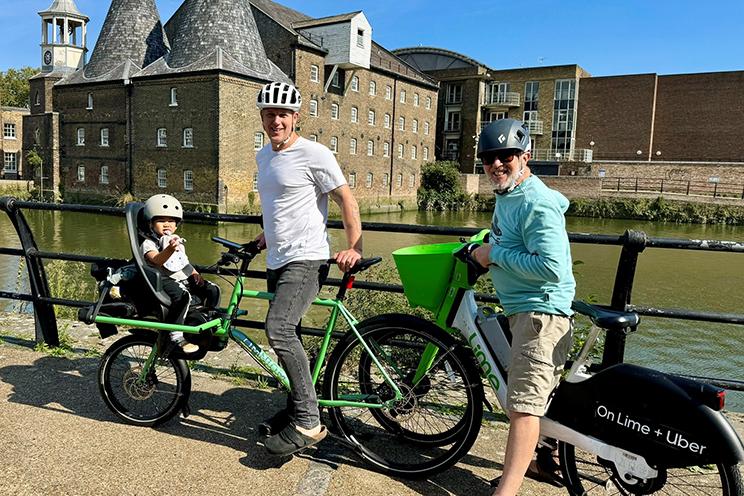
[(504, 134)]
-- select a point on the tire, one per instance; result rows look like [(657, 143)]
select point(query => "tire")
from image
[(164, 393), (584, 474), (439, 417)]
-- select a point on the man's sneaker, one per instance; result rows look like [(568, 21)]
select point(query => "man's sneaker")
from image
[(186, 347), (275, 424), (290, 440)]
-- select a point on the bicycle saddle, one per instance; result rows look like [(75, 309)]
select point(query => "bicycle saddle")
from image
[(364, 264), (605, 318)]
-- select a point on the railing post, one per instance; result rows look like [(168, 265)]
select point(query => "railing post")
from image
[(634, 242), (618, 184), (715, 189), (688, 189), (661, 188), (636, 184), (44, 317)]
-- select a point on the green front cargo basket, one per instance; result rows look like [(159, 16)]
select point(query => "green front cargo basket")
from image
[(425, 272)]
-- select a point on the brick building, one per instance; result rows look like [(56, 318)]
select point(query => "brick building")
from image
[(172, 108), (11, 141), (472, 95)]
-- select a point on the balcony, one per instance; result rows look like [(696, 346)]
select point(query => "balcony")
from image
[(535, 127), (452, 156), (575, 155), (502, 99), (452, 128)]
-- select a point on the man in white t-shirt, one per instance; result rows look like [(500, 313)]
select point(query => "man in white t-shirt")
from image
[(295, 178)]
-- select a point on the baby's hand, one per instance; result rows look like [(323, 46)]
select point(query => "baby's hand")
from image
[(175, 242)]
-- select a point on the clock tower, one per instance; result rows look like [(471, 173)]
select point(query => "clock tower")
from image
[(63, 34)]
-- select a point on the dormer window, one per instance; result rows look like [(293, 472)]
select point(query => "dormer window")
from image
[(336, 81), (360, 38), (173, 97), (90, 102)]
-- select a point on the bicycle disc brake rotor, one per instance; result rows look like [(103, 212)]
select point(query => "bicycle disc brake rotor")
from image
[(136, 388)]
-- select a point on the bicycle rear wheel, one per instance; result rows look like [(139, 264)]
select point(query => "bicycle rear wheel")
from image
[(437, 420), (587, 475), (147, 402)]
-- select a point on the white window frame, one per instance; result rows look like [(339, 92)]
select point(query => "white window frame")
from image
[(354, 114), (360, 38), (80, 136), (388, 92), (370, 148), (428, 103), (314, 74), (336, 81), (412, 180), (313, 108), (258, 140), (103, 177), (352, 180), (399, 181), (387, 121), (37, 98), (454, 93), (9, 130), (187, 137), (426, 128), (352, 146), (162, 137), (414, 126), (372, 88), (370, 180), (386, 149), (415, 99), (355, 84), (10, 163), (334, 111), (385, 179), (402, 96), (104, 137), (255, 182), (162, 178), (81, 173), (425, 154), (90, 102), (173, 98), (371, 118), (334, 144), (401, 123), (188, 180), (313, 137), (401, 150), (414, 152)]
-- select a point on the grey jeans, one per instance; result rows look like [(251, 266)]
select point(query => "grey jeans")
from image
[(295, 286)]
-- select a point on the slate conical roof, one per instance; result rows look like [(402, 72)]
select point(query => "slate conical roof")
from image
[(204, 25), (132, 31)]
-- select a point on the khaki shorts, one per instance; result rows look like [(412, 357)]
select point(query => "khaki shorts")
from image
[(540, 345)]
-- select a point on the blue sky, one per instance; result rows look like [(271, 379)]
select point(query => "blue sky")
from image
[(605, 37)]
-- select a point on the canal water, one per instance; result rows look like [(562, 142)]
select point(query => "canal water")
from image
[(665, 278)]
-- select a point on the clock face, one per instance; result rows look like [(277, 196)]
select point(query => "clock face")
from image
[(48, 57)]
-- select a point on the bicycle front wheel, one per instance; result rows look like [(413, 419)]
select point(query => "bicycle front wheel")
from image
[(147, 401), (586, 474), (437, 419)]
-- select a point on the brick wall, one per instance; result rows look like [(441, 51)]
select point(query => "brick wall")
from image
[(14, 144)]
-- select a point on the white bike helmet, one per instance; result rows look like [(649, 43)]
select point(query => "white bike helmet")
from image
[(279, 95), (163, 206)]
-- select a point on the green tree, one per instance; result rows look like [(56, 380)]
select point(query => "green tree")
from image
[(14, 87), (440, 188)]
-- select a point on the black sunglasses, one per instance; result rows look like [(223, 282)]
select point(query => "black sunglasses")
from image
[(504, 156)]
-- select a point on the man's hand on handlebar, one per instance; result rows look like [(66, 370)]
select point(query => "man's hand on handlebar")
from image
[(482, 254), (260, 241), (346, 259)]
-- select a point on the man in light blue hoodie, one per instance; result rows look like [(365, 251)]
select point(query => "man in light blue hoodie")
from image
[(529, 258)]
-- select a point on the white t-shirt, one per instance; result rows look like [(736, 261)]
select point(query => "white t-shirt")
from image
[(179, 275), (293, 185)]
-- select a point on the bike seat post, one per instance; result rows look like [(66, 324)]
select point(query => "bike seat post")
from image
[(346, 282)]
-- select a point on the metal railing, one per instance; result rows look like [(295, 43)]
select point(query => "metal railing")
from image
[(682, 187), (501, 98), (633, 243), (574, 155), (535, 127)]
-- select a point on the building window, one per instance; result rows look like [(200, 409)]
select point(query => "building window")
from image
[(401, 123), (314, 108), (334, 111), (103, 178), (9, 130), (386, 149), (352, 179), (10, 165), (162, 178), (399, 181), (426, 153), (37, 136), (90, 102), (415, 99), (428, 103), (258, 141), (370, 148), (426, 128), (454, 93), (334, 144), (412, 181), (188, 137), (104, 136), (414, 152), (173, 97), (414, 126), (355, 83), (360, 38), (402, 96), (336, 81), (371, 118), (372, 88), (388, 92), (387, 121), (354, 114), (370, 179), (162, 137), (452, 121), (385, 179), (314, 74), (188, 180), (81, 173), (313, 137), (352, 146), (564, 109), (37, 99), (255, 181), (401, 149), (80, 136)]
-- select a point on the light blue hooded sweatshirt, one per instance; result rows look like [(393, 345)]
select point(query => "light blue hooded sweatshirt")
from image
[(530, 250)]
